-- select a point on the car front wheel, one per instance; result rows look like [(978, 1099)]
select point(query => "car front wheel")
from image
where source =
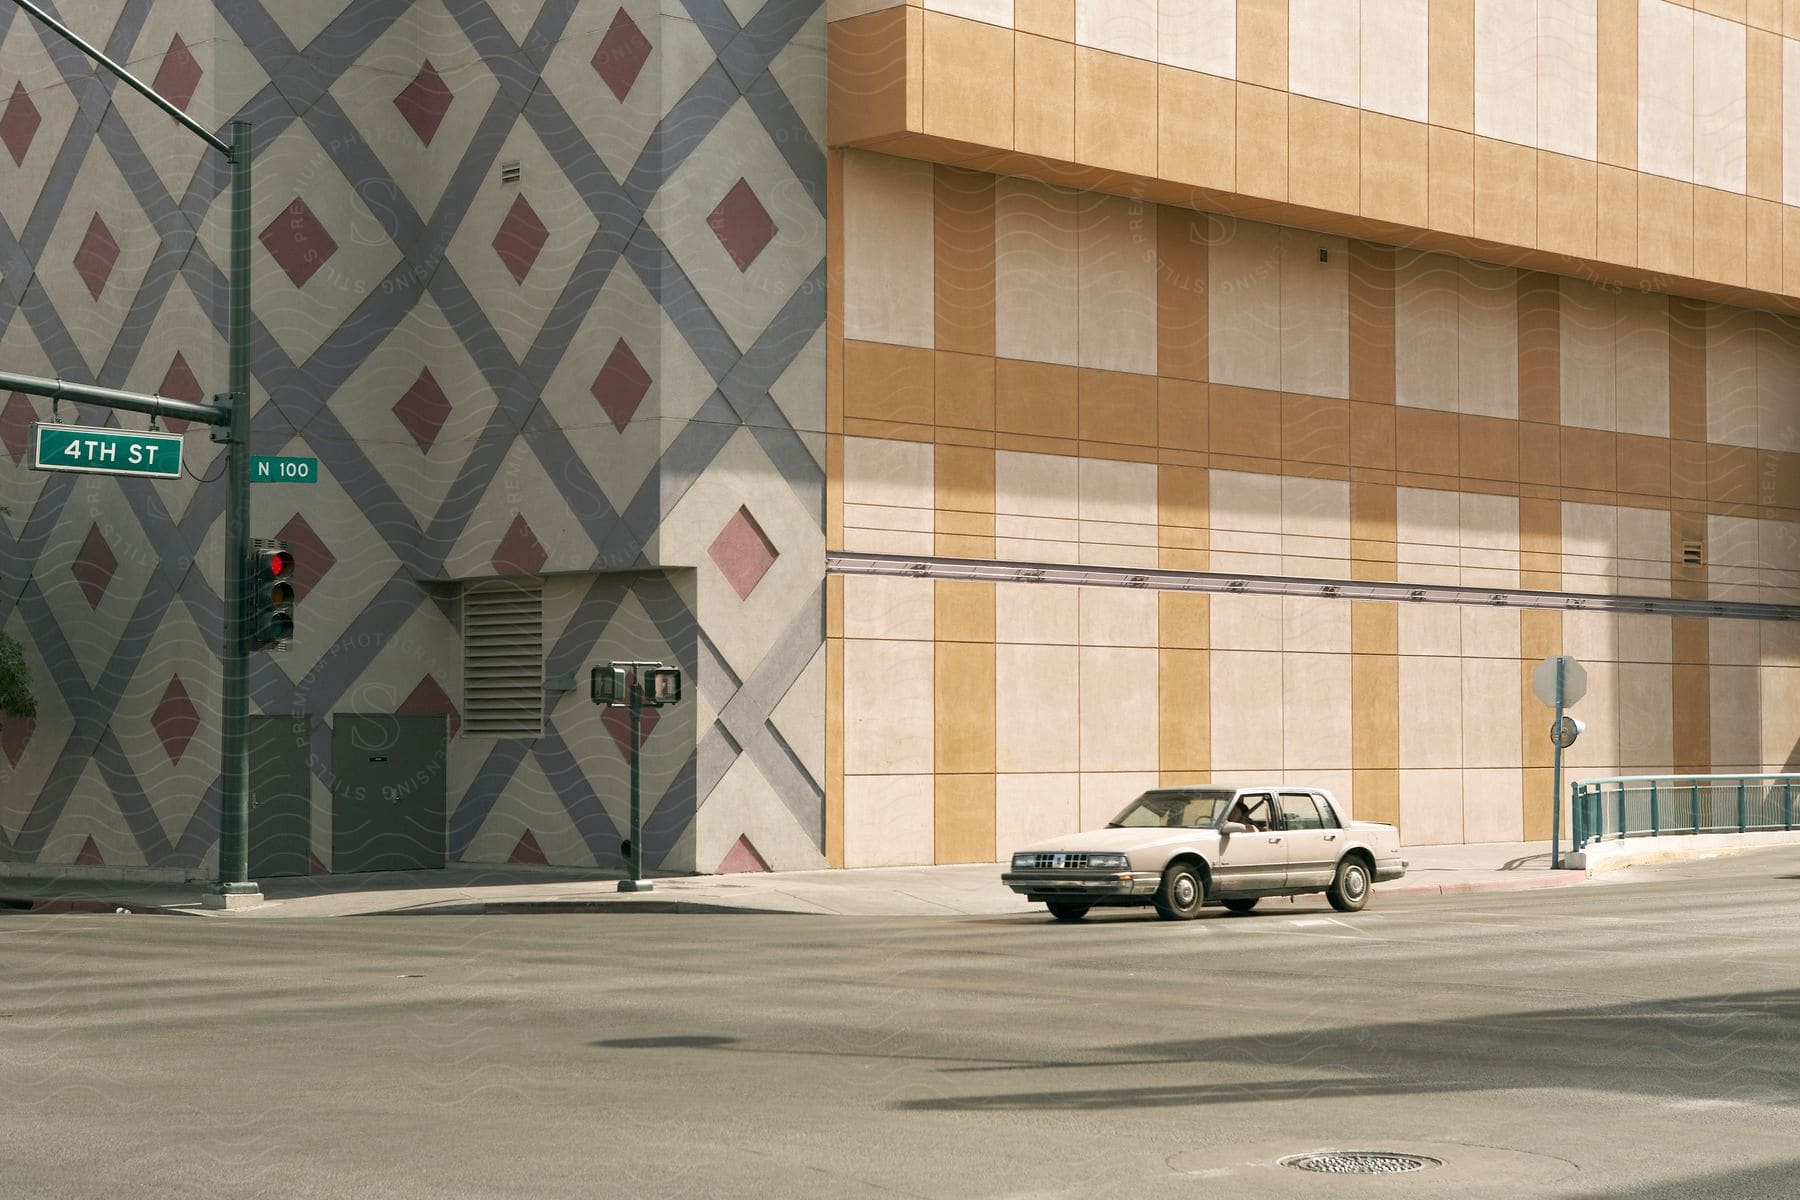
[(1065, 910), (1181, 894), (1349, 892)]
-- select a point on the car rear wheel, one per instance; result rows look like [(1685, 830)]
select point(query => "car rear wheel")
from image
[(1181, 894), (1066, 910), (1242, 904), (1349, 892)]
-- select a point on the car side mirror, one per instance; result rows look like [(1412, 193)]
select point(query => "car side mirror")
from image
[(1234, 827)]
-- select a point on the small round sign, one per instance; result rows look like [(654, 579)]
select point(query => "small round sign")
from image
[(1565, 731)]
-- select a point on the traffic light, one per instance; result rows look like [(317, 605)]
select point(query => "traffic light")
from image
[(665, 686), (271, 624), (606, 685)]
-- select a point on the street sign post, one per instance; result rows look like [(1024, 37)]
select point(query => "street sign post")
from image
[(1559, 681), (635, 686), (267, 468), (105, 451)]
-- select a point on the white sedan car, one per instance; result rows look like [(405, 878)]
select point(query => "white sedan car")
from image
[(1181, 848)]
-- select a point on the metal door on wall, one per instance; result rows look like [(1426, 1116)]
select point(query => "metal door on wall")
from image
[(388, 809), (280, 796)]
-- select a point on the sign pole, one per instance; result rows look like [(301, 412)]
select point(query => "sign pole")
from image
[(1556, 776), (637, 882)]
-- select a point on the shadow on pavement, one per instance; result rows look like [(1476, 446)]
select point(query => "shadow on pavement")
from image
[(1778, 1182)]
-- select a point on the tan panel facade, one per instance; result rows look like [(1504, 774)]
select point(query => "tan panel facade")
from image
[(1168, 388)]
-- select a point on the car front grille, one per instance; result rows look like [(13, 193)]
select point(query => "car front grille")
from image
[(1050, 861)]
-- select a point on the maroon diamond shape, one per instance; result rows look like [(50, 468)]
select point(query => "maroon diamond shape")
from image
[(179, 384), (90, 854), (95, 257), (621, 385), (423, 410), (19, 124), (94, 566), (743, 553), (15, 735), (519, 552), (424, 101), (622, 54), (618, 724), (312, 561), (429, 699), (298, 243), (175, 719), (521, 239), (741, 224), (16, 420), (528, 851), (179, 74)]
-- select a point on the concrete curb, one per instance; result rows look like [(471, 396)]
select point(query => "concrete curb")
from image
[(38, 904), (1524, 884), (500, 908)]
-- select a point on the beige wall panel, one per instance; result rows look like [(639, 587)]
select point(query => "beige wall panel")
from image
[(1643, 554), (1428, 535), (1492, 805), (1431, 711), (993, 12), (1431, 807), (888, 820), (1032, 808), (1490, 712), (889, 694), (1198, 35), (1037, 714), (1319, 33), (1597, 753), (1721, 157), (1777, 385), (1589, 334), (1036, 485), (1036, 272), (1731, 351), (1246, 710), (1315, 314), (1043, 97), (1790, 122), (1646, 718), (1246, 622), (1641, 382), (1665, 89), (1262, 42), (1118, 617), (1733, 643), (1452, 70), (887, 491), (963, 819), (1314, 626), (1734, 558), (970, 69), (1781, 719), (1244, 320), (1315, 720), (1184, 698), (1426, 318), (1736, 719), (1490, 632), (1396, 50), (885, 607), (1119, 26), (1591, 636), (1315, 527), (1506, 70), (1645, 638), (887, 249), (1590, 547), (1568, 77), (1115, 736), (1103, 794), (1245, 510), (1037, 614), (1488, 340), (1116, 492), (1116, 268), (1618, 83)]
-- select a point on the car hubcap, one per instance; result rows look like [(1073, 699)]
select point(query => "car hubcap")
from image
[(1184, 890), (1355, 883)]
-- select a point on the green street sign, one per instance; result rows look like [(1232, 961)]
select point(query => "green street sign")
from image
[(266, 468), (106, 451)]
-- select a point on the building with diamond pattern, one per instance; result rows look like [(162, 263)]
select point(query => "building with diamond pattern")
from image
[(994, 406)]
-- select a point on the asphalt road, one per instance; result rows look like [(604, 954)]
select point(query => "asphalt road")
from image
[(1635, 1039)]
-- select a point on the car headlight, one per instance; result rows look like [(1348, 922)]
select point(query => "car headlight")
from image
[(1025, 860), (1109, 862)]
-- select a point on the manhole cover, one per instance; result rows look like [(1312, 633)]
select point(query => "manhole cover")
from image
[(1361, 1162)]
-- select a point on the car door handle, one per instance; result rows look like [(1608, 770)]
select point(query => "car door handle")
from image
[(1331, 837), (1272, 841)]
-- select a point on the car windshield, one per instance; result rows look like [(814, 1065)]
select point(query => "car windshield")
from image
[(1173, 808)]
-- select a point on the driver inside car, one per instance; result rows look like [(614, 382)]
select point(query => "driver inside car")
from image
[(1240, 813)]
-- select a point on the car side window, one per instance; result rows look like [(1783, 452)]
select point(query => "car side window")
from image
[(1299, 811), (1255, 811), (1327, 815)]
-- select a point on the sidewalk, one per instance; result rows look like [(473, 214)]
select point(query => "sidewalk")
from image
[(967, 890)]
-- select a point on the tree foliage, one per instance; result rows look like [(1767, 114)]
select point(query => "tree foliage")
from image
[(15, 677)]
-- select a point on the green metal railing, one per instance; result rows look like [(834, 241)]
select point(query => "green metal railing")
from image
[(1624, 806)]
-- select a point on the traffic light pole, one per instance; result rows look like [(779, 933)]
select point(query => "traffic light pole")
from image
[(234, 888)]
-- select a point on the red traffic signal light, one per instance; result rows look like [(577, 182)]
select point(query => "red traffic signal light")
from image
[(271, 617)]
